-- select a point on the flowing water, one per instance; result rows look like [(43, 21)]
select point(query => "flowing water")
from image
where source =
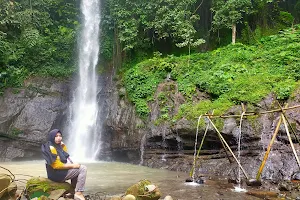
[(142, 148), (195, 149), (114, 178), (238, 188), (83, 130)]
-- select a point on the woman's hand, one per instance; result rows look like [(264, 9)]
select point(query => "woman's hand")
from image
[(76, 165), (70, 166)]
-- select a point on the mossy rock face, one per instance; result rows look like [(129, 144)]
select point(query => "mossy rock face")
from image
[(140, 192), (44, 186)]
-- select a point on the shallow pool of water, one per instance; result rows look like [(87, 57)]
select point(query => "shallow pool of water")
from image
[(114, 178)]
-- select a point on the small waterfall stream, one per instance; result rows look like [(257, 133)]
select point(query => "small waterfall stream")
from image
[(195, 148), (239, 188), (83, 131)]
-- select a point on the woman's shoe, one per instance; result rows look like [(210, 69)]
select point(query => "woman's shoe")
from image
[(78, 197)]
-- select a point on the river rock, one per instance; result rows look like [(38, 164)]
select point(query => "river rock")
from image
[(116, 198), (56, 194), (140, 192), (168, 198), (129, 197), (7, 186)]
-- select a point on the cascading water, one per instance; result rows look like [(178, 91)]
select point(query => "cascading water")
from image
[(83, 131), (142, 149), (238, 188), (195, 150), (163, 158)]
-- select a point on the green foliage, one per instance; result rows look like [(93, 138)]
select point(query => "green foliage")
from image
[(58, 71), (227, 13), (36, 37), (139, 24), (230, 75), (146, 75), (284, 88), (190, 110), (286, 18), (12, 77)]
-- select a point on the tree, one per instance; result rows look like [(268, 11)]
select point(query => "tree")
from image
[(140, 24), (228, 13)]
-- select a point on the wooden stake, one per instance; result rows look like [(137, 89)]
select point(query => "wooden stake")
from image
[(268, 149), (290, 139), (222, 139), (202, 141)]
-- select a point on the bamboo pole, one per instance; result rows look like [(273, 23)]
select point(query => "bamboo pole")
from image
[(251, 113), (221, 138), (289, 123), (268, 149), (202, 141), (226, 152), (290, 139)]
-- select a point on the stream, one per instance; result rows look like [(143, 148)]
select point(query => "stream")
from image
[(112, 178)]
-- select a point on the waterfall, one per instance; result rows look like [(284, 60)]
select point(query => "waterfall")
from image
[(84, 136)]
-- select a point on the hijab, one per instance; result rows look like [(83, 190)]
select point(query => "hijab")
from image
[(61, 153)]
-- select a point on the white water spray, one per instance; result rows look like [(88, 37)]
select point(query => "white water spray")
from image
[(83, 133)]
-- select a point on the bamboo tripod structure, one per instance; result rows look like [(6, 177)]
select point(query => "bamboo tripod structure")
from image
[(283, 119), (224, 143)]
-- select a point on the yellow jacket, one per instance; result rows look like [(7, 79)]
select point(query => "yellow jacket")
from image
[(57, 164)]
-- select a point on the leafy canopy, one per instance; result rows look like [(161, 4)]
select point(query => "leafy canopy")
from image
[(140, 24)]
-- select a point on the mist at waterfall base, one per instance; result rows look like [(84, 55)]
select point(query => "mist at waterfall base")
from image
[(83, 128)]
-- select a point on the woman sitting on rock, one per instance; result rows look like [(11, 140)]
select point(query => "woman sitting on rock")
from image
[(60, 167)]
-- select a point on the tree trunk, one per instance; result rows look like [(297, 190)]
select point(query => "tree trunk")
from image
[(233, 33)]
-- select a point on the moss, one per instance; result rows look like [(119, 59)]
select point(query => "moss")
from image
[(38, 184), (15, 132)]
